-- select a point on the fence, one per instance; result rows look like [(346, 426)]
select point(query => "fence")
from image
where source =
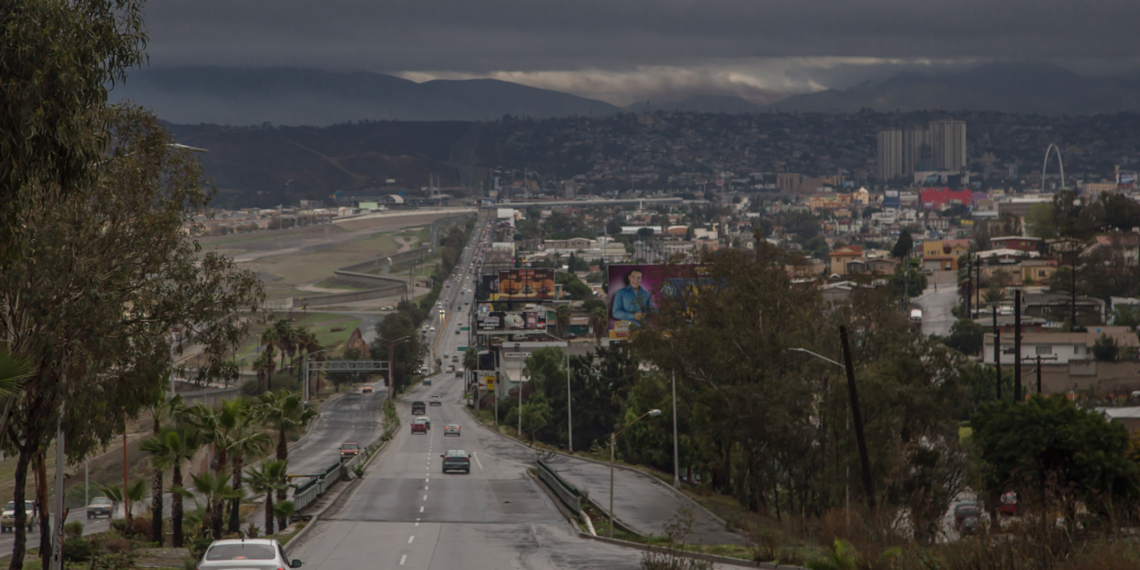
[(567, 493)]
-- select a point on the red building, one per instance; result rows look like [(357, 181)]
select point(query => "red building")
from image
[(1020, 243), (938, 197)]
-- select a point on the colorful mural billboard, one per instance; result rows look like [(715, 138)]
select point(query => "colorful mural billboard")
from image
[(636, 291)]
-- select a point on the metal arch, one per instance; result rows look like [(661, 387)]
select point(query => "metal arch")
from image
[(1060, 163)]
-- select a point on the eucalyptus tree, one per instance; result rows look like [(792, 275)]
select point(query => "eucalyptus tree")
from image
[(73, 269)]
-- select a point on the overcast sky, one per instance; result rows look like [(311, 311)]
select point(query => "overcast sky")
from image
[(631, 50)]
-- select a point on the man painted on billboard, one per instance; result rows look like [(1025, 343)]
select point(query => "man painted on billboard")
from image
[(631, 303)]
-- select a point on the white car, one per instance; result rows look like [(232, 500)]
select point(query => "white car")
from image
[(250, 553), (432, 329)]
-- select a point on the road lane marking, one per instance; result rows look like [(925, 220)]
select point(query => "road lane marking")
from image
[(417, 523), (476, 456), (425, 497), (425, 487), (403, 559), (411, 538), (421, 509)]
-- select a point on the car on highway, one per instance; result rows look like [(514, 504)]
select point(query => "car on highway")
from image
[(457, 331), (427, 381), (1008, 504), (455, 358), (349, 449), (100, 507), (419, 427), (963, 512), (451, 429), (246, 553), (451, 369), (432, 329), (8, 517), (424, 420), (456, 460), (435, 400), (366, 389)]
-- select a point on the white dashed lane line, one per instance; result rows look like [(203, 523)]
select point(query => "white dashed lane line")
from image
[(411, 538)]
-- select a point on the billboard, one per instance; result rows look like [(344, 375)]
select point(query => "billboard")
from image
[(525, 285), (486, 381), (636, 291), (503, 246), (1125, 177), (512, 320)]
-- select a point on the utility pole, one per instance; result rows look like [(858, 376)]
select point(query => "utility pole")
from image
[(569, 413), (857, 415), (997, 352), (969, 285), (1017, 345), (1038, 374), (676, 455)]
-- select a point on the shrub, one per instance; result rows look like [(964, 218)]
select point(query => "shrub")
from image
[(251, 387), (122, 561), (73, 529), (76, 549)]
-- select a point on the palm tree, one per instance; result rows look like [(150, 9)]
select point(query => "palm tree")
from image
[(471, 359), (245, 441), (130, 499), (265, 365), (562, 319), (13, 369), (284, 412), (267, 479), (215, 489), (170, 450), (600, 322), (284, 336), (216, 426), (161, 411)]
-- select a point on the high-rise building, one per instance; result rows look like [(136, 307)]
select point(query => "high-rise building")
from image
[(890, 155), (902, 152), (948, 142)]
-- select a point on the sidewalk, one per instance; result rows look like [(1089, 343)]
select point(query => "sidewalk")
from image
[(641, 502)]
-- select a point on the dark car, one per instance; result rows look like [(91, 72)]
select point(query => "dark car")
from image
[(964, 511), (419, 408), (1009, 504), (456, 460)]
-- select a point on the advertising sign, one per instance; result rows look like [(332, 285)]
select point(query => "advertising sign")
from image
[(503, 246), (1125, 177), (525, 285), (513, 320), (487, 381), (636, 291)]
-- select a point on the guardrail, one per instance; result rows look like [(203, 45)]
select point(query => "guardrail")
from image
[(567, 493), (306, 494)]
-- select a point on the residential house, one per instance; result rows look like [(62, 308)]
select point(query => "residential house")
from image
[(841, 257), (1020, 243), (1119, 247), (1057, 307), (1037, 271), (1059, 347)]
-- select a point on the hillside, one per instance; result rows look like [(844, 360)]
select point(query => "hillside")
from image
[(301, 96), (1010, 88)]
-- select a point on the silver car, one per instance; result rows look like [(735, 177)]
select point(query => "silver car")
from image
[(252, 554)]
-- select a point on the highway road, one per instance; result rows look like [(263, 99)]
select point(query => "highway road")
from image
[(406, 513)]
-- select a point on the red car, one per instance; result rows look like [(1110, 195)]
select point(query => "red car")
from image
[(1009, 504), (420, 427)]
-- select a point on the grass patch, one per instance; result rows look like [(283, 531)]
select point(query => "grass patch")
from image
[(337, 283), (296, 269)]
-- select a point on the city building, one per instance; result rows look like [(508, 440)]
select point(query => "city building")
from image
[(948, 144)]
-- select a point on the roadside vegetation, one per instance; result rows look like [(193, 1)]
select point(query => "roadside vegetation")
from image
[(767, 436)]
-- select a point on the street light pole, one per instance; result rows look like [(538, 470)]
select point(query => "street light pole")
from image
[(676, 455), (613, 441), (569, 413), (847, 427), (856, 414)]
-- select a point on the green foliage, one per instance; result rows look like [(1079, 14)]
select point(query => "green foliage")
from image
[(1039, 221), (406, 355), (535, 414), (914, 279), (1126, 316), (903, 246), (73, 529), (966, 336), (1105, 349), (77, 549), (1049, 446)]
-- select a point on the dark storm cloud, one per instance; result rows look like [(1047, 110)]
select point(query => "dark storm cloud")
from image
[(482, 37)]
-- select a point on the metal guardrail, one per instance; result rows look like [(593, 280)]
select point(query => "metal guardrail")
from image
[(306, 494), (567, 493)]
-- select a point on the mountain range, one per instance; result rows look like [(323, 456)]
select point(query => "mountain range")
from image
[(304, 96), (1004, 87)]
